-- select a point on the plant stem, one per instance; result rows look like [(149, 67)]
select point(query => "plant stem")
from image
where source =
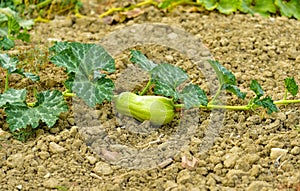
[(280, 102), (239, 107), (216, 96), (146, 88), (6, 81)]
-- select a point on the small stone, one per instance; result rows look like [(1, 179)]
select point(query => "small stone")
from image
[(255, 170), (73, 131), (44, 155), (169, 58), (102, 168), (77, 144), (258, 185), (56, 148), (54, 130), (169, 185), (15, 160), (295, 151), (230, 160), (19, 187), (4, 135), (277, 152), (42, 171), (51, 183), (183, 177), (91, 159)]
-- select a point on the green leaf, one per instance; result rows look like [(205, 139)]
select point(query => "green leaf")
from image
[(167, 78), (254, 86), (162, 88), (235, 90), (245, 7), (193, 96), (208, 4), (6, 43), (268, 104), (138, 58), (78, 57), (95, 91), (13, 25), (166, 3), (224, 75), (10, 65), (24, 37), (48, 108), (289, 9), (13, 97), (291, 85), (226, 79), (228, 7), (264, 7), (84, 63)]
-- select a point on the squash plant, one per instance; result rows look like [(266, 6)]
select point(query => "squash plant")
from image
[(87, 66)]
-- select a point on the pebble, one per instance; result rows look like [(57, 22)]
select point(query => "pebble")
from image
[(295, 150), (51, 183), (277, 152), (230, 160), (15, 160), (4, 135), (102, 168), (258, 186), (56, 148), (91, 159), (183, 176)]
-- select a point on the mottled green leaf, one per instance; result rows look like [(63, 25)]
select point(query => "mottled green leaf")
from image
[(84, 63), (264, 7), (193, 96), (162, 88), (137, 57), (254, 86), (13, 97), (167, 78), (235, 90), (267, 103), (208, 4), (24, 37), (291, 85), (228, 7), (93, 91), (224, 75), (48, 108), (290, 8), (6, 43), (13, 25), (10, 64)]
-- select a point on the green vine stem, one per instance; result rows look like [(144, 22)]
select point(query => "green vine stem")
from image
[(239, 107), (146, 88), (6, 81)]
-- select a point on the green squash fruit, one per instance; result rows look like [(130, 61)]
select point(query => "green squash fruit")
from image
[(157, 109)]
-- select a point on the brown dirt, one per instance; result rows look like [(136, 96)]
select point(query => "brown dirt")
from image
[(266, 49)]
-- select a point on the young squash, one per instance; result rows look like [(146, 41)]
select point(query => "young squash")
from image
[(157, 109)]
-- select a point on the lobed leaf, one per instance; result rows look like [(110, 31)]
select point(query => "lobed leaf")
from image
[(167, 78), (254, 86), (10, 64), (13, 97), (267, 103), (193, 96), (226, 79), (84, 63), (291, 85), (137, 57), (48, 108), (235, 90), (228, 7), (208, 4), (93, 91), (6, 43), (162, 88), (289, 9)]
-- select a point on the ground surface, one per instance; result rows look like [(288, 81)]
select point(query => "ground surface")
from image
[(266, 49)]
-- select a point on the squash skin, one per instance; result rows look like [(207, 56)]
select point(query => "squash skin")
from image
[(157, 109)]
